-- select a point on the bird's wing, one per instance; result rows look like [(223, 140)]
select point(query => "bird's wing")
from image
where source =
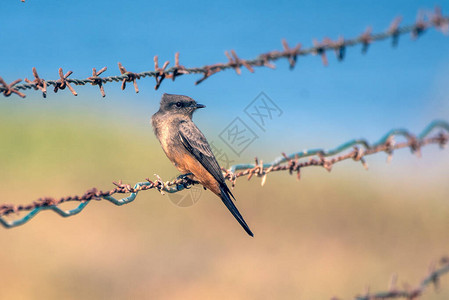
[(195, 142)]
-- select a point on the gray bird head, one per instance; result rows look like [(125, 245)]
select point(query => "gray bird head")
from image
[(178, 104)]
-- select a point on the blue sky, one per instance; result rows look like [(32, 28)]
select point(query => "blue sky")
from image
[(365, 95)]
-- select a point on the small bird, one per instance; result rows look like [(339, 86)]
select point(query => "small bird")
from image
[(187, 148)]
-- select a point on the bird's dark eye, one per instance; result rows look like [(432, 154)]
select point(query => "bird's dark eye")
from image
[(178, 104)]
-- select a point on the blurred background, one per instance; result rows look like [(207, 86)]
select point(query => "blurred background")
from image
[(330, 234)]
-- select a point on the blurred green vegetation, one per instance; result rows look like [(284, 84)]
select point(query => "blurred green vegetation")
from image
[(331, 234)]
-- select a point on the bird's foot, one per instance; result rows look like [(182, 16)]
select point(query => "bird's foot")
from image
[(187, 182)]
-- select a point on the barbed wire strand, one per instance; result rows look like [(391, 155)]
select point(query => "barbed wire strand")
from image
[(425, 20), (317, 157), (408, 292)]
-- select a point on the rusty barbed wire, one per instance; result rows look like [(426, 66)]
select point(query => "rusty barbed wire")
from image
[(408, 292), (424, 21), (317, 157)]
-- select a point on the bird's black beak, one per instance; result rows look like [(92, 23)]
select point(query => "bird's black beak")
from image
[(200, 106)]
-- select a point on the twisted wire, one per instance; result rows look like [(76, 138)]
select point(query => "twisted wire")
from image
[(291, 163), (409, 292), (424, 21)]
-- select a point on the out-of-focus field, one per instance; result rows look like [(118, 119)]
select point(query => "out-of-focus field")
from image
[(331, 234)]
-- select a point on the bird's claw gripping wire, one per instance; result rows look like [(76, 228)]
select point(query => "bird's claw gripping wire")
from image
[(185, 181)]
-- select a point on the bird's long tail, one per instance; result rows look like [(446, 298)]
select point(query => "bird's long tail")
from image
[(225, 195)]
